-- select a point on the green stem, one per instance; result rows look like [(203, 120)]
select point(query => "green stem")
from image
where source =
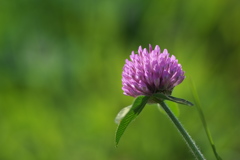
[(186, 136)]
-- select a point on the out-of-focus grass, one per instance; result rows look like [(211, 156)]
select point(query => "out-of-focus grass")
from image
[(60, 85)]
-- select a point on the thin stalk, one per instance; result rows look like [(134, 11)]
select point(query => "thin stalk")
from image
[(191, 144), (202, 117)]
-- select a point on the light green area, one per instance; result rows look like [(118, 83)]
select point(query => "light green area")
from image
[(60, 77)]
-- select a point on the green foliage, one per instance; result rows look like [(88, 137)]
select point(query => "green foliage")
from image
[(128, 114), (133, 112)]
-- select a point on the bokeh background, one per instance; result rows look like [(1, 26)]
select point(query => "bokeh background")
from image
[(60, 77)]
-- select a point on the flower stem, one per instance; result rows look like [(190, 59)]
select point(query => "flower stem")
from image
[(191, 144)]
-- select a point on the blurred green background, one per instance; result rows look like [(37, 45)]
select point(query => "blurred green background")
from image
[(60, 87)]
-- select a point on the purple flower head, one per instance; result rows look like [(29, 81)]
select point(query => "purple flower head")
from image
[(150, 72)]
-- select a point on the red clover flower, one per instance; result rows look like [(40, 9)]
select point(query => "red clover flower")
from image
[(150, 72)]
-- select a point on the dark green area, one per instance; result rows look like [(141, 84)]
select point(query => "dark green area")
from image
[(60, 85), (136, 108)]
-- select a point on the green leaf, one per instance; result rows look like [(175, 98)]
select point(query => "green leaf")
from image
[(133, 112), (161, 96)]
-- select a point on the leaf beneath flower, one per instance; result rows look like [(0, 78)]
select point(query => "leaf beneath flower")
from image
[(161, 96), (133, 112)]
